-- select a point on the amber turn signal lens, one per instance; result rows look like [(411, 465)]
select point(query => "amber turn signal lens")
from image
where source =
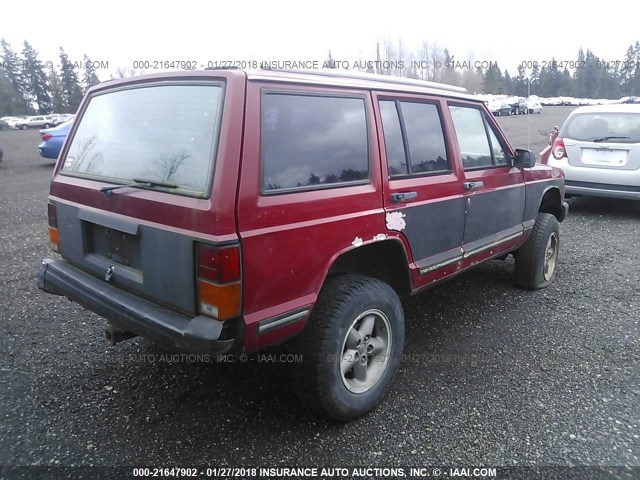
[(219, 301), (54, 239)]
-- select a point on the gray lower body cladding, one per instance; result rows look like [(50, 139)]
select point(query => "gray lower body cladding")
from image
[(135, 314)]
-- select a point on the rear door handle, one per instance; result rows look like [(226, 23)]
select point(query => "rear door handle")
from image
[(473, 185), (401, 197)]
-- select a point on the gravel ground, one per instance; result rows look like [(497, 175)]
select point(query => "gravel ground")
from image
[(493, 375)]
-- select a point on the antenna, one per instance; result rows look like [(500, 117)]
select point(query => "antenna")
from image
[(528, 115)]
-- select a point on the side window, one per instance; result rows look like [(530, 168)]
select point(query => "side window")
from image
[(425, 137), (396, 156), (499, 155), (309, 141), (422, 135), (472, 137)]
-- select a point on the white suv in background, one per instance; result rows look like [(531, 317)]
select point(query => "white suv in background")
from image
[(37, 121), (599, 150)]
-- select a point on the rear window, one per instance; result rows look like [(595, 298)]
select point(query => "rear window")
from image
[(312, 141), (163, 133), (616, 127)]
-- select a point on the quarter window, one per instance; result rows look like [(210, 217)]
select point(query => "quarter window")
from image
[(396, 156), (312, 141)]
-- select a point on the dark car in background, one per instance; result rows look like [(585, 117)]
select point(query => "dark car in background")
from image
[(52, 140), (518, 105), (499, 108)]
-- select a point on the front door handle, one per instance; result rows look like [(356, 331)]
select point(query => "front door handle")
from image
[(473, 185), (401, 197)]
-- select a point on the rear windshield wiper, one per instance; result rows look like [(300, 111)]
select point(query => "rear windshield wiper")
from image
[(604, 139), (138, 183)]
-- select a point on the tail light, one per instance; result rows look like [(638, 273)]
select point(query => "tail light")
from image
[(558, 150), (218, 281), (54, 238), (46, 136)]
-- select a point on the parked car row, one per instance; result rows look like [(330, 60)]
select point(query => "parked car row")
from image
[(577, 102), (35, 121), (514, 106)]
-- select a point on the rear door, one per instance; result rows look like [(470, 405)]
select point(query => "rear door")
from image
[(494, 190), (423, 198), (310, 188)]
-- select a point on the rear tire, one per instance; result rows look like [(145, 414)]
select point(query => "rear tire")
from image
[(537, 259), (351, 347)]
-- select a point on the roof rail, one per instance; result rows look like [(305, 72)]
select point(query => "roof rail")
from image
[(373, 77)]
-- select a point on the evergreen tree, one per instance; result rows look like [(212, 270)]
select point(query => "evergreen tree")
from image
[(555, 78), (90, 77), (55, 90), (35, 80), (72, 92), (508, 84), (579, 80), (635, 85), (627, 72), (590, 75), (11, 70), (534, 79), (520, 83), (565, 84), (10, 103), (493, 80), (544, 83)]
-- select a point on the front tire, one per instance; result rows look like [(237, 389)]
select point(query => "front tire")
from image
[(351, 347), (537, 259)]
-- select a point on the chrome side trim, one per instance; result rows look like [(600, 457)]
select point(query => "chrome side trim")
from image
[(441, 264), (282, 320), (491, 245)]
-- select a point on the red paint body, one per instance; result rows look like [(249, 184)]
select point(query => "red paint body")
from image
[(290, 241)]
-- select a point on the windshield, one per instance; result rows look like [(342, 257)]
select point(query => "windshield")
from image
[(618, 127), (165, 133)]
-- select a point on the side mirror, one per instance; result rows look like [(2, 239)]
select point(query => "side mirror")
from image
[(524, 159)]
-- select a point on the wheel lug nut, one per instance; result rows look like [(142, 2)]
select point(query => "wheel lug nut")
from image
[(369, 348)]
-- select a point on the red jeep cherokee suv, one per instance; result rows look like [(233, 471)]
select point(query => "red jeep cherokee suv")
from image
[(226, 211)]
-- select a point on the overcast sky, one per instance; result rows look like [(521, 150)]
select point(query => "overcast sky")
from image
[(121, 32)]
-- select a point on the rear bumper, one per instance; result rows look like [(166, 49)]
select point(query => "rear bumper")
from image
[(134, 314), (598, 182), (602, 190)]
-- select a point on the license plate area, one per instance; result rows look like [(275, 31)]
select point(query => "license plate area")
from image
[(115, 246), (604, 157)]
